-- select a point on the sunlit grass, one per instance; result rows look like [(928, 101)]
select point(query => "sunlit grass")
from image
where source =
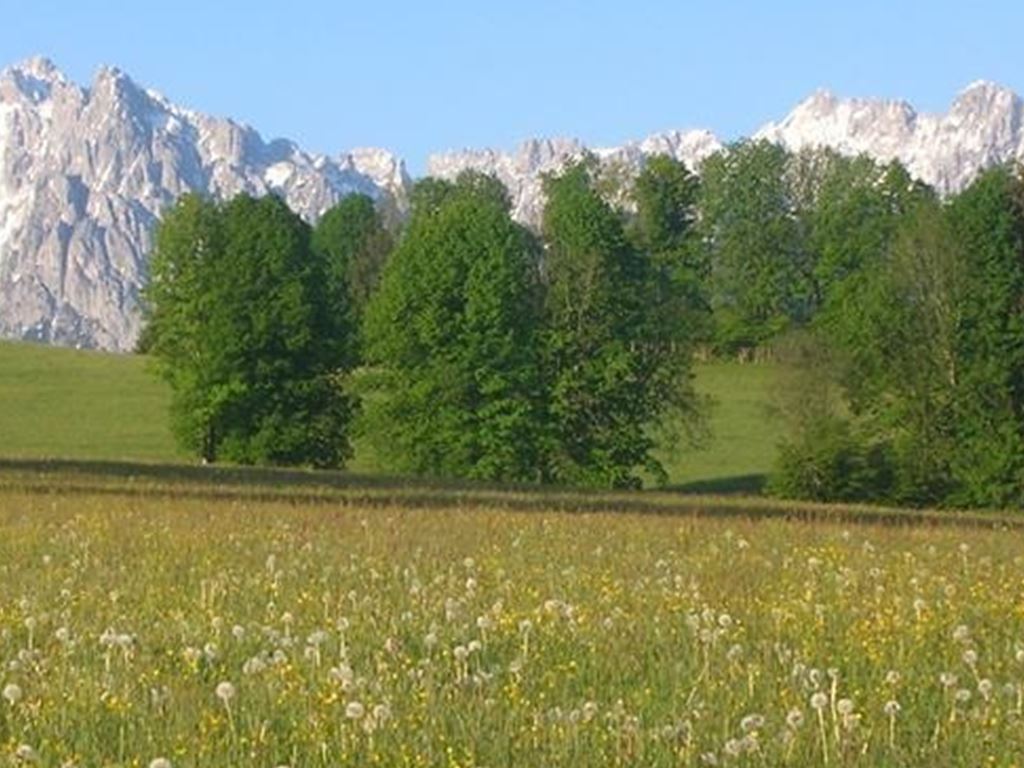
[(91, 405), (322, 630)]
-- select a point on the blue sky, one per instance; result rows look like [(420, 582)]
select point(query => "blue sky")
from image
[(417, 77)]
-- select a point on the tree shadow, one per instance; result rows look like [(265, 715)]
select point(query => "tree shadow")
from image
[(745, 485)]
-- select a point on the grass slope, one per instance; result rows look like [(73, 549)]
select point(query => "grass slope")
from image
[(76, 404), (89, 405), (744, 436)]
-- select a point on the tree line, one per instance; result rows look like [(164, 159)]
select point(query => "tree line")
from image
[(462, 344), (465, 346)]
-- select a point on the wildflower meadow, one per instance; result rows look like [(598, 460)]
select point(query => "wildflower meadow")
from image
[(168, 632)]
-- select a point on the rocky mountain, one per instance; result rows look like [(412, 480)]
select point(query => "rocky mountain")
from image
[(982, 128), (522, 172), (85, 172)]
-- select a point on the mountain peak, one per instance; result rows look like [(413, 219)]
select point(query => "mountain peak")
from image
[(114, 79), (40, 68), (983, 96), (985, 86), (822, 97), (34, 78), (86, 173)]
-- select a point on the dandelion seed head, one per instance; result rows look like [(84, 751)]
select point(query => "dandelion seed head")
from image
[(818, 700), (225, 691), (12, 693), (354, 710), (891, 708), (752, 723)]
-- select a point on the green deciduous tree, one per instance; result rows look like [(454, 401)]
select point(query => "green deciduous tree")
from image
[(761, 276), (454, 386), (931, 347), (987, 221), (242, 327), (353, 241), (616, 357)]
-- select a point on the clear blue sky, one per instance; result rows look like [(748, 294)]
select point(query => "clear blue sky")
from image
[(417, 77)]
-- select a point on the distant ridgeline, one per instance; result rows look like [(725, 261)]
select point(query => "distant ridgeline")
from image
[(86, 172)]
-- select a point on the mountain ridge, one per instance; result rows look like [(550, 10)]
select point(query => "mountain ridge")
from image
[(85, 172)]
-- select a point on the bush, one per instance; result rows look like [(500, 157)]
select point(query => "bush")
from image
[(828, 461)]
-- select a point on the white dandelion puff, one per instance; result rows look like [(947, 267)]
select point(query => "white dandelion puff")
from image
[(12, 693), (225, 691), (752, 723), (985, 688)]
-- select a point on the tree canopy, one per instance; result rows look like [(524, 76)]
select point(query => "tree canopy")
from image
[(245, 330), (453, 381)]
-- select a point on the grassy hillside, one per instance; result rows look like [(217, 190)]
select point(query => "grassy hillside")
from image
[(89, 405), (75, 404), (741, 446)]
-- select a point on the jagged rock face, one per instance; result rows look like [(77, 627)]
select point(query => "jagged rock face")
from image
[(523, 171), (84, 174), (981, 129)]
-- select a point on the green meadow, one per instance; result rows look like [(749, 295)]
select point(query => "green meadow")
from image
[(60, 403)]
